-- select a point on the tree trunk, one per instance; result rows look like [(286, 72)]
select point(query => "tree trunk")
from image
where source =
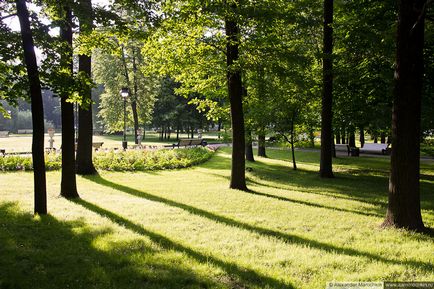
[(312, 138), (85, 126), (133, 95), (249, 147), (375, 138), (327, 94), (362, 136), (68, 186), (352, 139), (404, 192), (294, 164), (238, 177), (338, 137), (261, 144), (39, 178), (343, 136), (177, 132), (134, 100), (383, 137)]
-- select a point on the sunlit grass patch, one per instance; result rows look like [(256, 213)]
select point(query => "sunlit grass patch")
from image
[(187, 229)]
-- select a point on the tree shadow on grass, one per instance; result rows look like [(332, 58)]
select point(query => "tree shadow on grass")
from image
[(46, 253), (424, 266), (245, 275), (370, 189), (346, 185), (315, 205)]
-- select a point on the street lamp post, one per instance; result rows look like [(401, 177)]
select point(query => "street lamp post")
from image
[(124, 93)]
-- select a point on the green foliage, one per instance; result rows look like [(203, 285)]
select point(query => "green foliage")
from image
[(427, 146), (139, 160), (136, 160), (116, 70), (53, 161), (364, 46)]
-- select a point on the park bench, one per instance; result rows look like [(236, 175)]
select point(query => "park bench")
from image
[(97, 145), (4, 133), (342, 148), (98, 132), (382, 148), (189, 142), (25, 131)]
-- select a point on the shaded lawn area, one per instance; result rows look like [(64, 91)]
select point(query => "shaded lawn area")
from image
[(186, 229)]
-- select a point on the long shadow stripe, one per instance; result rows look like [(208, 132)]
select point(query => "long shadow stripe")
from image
[(426, 267), (247, 275), (314, 204)]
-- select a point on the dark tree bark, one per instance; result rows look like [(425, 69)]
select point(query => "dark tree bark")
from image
[(39, 178), (352, 139), (85, 125), (312, 138), (375, 138), (249, 147), (343, 137), (362, 136), (235, 91), (134, 102), (326, 170), (219, 127), (261, 144), (294, 164), (338, 137), (383, 137), (404, 192), (133, 96), (68, 186), (291, 142), (177, 131)]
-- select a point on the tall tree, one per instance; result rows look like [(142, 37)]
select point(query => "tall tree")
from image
[(68, 186), (143, 91), (85, 125), (404, 192), (37, 109), (235, 92), (133, 94), (326, 170)]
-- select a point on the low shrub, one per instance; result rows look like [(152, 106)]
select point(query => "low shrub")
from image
[(53, 161), (139, 160), (135, 160)]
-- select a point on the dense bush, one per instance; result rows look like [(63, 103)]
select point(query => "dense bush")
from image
[(136, 160), (24, 163)]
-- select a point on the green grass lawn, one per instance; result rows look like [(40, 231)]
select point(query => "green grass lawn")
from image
[(185, 228)]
